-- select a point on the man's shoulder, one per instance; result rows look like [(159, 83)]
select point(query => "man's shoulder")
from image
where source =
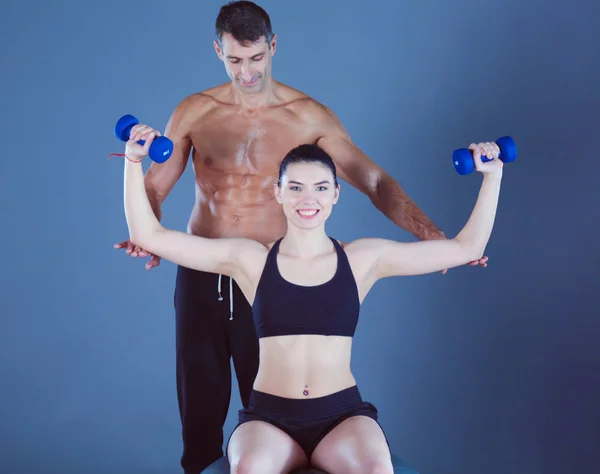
[(304, 105), (200, 102), (190, 110)]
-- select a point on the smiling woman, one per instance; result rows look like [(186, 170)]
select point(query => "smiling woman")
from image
[(306, 290), (307, 191)]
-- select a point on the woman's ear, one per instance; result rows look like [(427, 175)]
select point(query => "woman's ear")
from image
[(277, 191), (337, 194)]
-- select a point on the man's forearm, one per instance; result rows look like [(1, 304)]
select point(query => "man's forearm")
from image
[(395, 204)]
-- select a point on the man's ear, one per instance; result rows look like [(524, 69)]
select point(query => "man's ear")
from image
[(218, 50)]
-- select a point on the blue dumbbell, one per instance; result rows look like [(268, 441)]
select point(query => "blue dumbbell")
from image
[(463, 158), (161, 147)]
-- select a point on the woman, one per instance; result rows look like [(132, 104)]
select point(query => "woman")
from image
[(306, 290)]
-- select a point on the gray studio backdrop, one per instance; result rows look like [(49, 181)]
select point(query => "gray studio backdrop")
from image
[(479, 371)]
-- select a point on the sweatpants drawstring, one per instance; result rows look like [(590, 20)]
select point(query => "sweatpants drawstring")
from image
[(230, 299), (219, 289), (220, 298)]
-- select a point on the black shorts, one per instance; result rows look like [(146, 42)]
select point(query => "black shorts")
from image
[(307, 421)]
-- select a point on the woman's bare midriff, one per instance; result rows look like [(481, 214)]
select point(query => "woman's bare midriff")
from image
[(305, 366)]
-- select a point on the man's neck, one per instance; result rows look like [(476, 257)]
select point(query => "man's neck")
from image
[(251, 102)]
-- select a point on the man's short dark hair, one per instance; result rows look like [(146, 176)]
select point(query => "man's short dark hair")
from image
[(245, 21)]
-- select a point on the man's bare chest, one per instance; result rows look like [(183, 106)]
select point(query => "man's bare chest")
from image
[(249, 145)]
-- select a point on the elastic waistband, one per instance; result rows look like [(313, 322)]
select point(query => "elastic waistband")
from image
[(300, 407), (198, 277)]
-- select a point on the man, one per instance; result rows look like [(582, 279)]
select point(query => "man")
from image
[(237, 134)]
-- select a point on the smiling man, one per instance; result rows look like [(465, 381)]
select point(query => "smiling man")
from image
[(237, 134)]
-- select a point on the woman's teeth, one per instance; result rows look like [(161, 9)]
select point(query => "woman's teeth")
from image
[(308, 212)]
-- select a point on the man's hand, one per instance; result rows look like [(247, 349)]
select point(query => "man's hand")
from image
[(482, 262), (137, 251)]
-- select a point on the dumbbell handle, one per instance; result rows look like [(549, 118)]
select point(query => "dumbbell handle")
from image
[(485, 159)]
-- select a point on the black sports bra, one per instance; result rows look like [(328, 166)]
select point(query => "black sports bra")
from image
[(284, 308)]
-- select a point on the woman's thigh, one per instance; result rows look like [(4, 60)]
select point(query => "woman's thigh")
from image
[(356, 445), (259, 447)]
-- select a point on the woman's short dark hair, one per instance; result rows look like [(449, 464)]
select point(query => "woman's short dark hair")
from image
[(307, 153)]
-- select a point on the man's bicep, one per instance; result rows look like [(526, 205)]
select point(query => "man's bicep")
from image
[(161, 177), (352, 164)]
